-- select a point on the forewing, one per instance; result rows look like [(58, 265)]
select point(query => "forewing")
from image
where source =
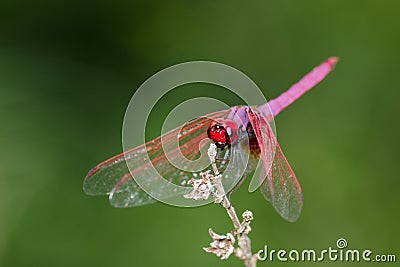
[(114, 178)]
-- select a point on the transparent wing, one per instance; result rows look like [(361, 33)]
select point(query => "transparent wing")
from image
[(113, 177), (280, 186)]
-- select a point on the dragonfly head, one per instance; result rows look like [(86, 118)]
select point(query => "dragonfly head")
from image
[(223, 133)]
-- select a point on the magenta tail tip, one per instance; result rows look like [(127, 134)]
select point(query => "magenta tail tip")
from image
[(332, 61)]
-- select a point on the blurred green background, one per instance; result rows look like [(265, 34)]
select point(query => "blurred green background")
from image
[(69, 68)]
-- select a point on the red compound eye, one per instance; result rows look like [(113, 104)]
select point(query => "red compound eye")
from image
[(222, 135)]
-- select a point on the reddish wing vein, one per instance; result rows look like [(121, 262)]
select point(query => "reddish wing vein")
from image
[(113, 177)]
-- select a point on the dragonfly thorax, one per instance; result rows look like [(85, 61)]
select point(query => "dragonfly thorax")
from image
[(223, 133)]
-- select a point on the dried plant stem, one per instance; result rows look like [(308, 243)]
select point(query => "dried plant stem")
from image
[(221, 198), (249, 259), (241, 229), (222, 245)]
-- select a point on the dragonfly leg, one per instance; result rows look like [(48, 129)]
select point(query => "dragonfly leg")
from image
[(230, 154), (223, 159)]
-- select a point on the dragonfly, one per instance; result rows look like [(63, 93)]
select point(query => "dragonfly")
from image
[(244, 139)]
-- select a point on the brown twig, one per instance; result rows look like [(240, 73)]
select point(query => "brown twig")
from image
[(222, 245)]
